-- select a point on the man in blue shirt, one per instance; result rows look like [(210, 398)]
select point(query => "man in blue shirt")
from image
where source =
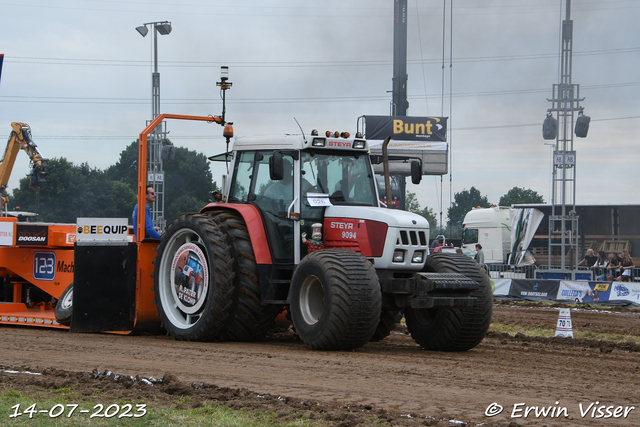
[(149, 231)]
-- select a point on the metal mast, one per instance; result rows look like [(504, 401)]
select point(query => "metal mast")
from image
[(399, 103), (563, 221), (155, 172)]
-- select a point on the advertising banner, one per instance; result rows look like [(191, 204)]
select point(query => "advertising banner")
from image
[(416, 138), (575, 291), (32, 235), (524, 224), (6, 233), (102, 230), (535, 289), (625, 291), (409, 129), (501, 287)]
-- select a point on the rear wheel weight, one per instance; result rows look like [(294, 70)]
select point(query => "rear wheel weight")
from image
[(193, 278), (335, 300), (457, 329)]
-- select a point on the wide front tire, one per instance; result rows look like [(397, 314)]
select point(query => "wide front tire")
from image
[(453, 329), (64, 306), (335, 300), (193, 278)]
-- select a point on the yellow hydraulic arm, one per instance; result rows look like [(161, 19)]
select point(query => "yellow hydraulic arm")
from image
[(20, 139)]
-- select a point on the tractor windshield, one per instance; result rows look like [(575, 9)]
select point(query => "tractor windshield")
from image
[(347, 179)]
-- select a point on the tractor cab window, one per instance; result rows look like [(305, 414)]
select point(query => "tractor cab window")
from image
[(252, 184), (345, 178), (242, 174)]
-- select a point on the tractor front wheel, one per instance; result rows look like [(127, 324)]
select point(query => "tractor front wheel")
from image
[(453, 329), (335, 300)]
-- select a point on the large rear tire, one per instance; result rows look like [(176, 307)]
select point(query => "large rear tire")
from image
[(456, 329), (249, 320), (193, 278), (335, 300)]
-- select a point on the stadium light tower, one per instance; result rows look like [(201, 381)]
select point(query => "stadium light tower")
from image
[(565, 103), (155, 173)]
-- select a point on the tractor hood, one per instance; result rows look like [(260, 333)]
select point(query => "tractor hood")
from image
[(392, 217)]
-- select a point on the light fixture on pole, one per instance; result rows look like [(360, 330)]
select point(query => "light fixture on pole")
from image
[(224, 84), (155, 171)]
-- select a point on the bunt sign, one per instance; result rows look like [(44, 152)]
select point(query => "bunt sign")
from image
[(406, 128)]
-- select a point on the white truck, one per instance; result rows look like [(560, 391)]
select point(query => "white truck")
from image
[(503, 232)]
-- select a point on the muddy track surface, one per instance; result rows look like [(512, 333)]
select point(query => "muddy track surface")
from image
[(392, 380)]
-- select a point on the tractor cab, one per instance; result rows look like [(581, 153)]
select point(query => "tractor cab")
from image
[(292, 180)]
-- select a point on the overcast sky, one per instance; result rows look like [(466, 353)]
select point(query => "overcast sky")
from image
[(80, 75)]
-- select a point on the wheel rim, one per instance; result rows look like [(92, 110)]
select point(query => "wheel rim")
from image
[(67, 301), (184, 297), (311, 300)]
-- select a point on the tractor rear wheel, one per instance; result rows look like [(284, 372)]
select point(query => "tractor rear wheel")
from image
[(335, 300), (249, 320), (453, 329), (64, 306), (193, 278)]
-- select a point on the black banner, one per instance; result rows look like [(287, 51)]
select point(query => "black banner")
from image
[(534, 289), (32, 235), (406, 128)]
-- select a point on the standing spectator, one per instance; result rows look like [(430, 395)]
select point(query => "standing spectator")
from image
[(589, 259), (600, 266), (613, 267), (626, 264), (479, 254)]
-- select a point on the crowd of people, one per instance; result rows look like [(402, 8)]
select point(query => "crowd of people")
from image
[(618, 267)]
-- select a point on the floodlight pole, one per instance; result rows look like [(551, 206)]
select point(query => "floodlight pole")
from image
[(155, 172), (563, 220)]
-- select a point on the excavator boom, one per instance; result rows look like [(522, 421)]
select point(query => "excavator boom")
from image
[(20, 139)]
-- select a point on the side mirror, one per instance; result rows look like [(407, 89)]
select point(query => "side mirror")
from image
[(416, 173), (276, 167)]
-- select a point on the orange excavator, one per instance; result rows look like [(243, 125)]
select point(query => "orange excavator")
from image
[(20, 139), (36, 259)]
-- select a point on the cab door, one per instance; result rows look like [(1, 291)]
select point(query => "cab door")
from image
[(252, 184)]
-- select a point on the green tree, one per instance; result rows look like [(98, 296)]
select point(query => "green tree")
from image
[(74, 191), (464, 202), (188, 179), (412, 205), (520, 195)]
